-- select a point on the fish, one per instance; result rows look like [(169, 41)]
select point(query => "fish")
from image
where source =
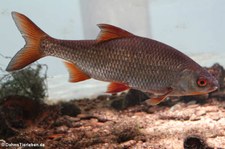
[(117, 56)]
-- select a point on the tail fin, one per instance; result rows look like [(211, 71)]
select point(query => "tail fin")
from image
[(33, 36)]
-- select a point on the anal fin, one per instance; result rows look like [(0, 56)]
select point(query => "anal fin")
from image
[(75, 74), (115, 87)]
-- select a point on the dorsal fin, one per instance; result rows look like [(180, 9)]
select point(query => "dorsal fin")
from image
[(109, 32)]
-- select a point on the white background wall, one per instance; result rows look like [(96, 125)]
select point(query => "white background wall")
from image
[(195, 27), (131, 15), (60, 19)]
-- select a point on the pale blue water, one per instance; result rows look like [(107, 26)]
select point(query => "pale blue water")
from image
[(196, 28)]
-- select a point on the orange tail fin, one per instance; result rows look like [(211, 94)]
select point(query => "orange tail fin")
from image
[(33, 36)]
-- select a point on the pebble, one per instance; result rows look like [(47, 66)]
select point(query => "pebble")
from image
[(128, 144), (139, 114), (193, 102), (95, 130), (154, 109), (96, 123), (78, 124), (2, 141), (61, 129), (82, 115), (176, 107), (194, 118), (74, 119), (214, 115), (200, 112), (211, 109)]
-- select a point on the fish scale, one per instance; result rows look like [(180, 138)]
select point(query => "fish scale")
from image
[(117, 61), (119, 57)]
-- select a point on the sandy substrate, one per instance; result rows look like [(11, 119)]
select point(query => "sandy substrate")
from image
[(96, 124)]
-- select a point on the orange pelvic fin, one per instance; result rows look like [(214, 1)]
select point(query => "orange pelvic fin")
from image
[(109, 32), (116, 87), (76, 75), (157, 100), (33, 36)]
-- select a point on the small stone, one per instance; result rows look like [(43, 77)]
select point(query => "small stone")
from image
[(69, 109), (2, 141), (154, 109), (82, 115), (94, 120), (55, 137), (77, 124), (75, 119), (214, 115), (200, 112), (96, 123), (106, 145), (211, 109), (193, 102), (61, 129), (95, 130), (193, 105), (128, 144), (64, 120), (176, 107), (195, 118), (139, 114)]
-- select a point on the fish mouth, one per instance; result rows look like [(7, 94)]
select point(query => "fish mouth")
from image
[(212, 89), (205, 92), (214, 86)]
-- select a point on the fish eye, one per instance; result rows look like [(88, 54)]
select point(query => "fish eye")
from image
[(202, 82)]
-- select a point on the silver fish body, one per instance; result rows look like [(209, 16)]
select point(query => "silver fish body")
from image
[(117, 56)]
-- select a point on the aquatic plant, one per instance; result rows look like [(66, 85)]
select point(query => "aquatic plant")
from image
[(29, 82)]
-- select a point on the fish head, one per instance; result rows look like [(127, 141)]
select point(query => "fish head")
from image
[(195, 82)]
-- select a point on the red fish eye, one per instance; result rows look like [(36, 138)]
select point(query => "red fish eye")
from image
[(202, 82)]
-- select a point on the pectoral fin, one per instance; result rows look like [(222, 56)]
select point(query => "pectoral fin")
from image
[(157, 100)]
